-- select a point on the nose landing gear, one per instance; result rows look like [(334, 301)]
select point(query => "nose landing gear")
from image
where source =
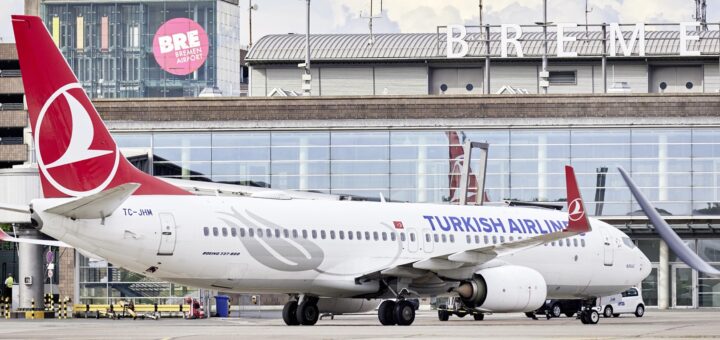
[(589, 314)]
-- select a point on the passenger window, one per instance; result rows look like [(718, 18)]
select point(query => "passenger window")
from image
[(402, 237), (332, 234), (477, 239), (510, 238), (412, 237), (552, 243), (502, 239), (582, 242), (393, 236), (233, 232), (494, 239), (294, 233), (286, 233), (350, 235), (375, 235), (215, 231), (260, 232), (242, 232), (436, 237), (322, 234), (224, 231), (468, 238), (314, 234), (277, 233), (452, 238), (567, 242), (268, 233), (367, 235), (633, 292), (251, 232), (444, 238), (575, 243), (342, 234), (304, 234), (485, 239), (384, 236), (206, 231), (359, 235)]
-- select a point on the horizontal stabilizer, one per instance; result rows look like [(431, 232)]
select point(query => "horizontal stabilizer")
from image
[(99, 205), (18, 208), (666, 233), (7, 238)]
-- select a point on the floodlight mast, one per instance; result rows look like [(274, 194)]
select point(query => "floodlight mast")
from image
[(307, 78)]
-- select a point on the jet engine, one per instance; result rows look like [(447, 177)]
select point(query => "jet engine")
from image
[(339, 306), (504, 289)]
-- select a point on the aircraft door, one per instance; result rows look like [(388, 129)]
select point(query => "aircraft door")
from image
[(608, 249), (167, 234), (412, 240), (427, 241)]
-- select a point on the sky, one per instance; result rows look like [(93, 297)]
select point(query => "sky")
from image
[(408, 16)]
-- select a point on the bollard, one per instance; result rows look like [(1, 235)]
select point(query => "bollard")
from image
[(32, 311), (7, 308)]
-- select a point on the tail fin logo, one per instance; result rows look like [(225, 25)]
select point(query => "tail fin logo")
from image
[(575, 210), (67, 155)]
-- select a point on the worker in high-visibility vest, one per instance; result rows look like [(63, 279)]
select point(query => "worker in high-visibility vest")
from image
[(8, 286)]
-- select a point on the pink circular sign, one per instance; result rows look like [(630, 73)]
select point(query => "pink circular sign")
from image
[(180, 46)]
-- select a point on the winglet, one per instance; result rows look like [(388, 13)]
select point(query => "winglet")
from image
[(672, 239), (577, 215)]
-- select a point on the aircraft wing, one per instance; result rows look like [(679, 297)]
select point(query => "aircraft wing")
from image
[(578, 224)]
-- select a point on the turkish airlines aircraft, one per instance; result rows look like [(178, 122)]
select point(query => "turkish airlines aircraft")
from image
[(497, 259)]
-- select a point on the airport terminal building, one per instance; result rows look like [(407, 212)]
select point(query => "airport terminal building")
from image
[(381, 111)]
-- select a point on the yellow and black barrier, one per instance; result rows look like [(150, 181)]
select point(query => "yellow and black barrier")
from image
[(6, 307), (112, 310)]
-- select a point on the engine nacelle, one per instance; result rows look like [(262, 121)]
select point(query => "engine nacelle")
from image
[(504, 289), (339, 306)]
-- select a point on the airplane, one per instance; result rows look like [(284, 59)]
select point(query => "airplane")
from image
[(496, 259)]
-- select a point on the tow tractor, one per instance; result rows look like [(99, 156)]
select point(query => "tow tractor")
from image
[(455, 307)]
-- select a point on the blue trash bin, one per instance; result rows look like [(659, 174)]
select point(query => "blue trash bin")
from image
[(222, 306)]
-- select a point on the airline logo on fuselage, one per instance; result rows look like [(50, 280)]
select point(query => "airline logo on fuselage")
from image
[(494, 224), (65, 136)]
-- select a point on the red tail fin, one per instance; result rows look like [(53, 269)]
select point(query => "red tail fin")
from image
[(75, 152), (577, 215), (457, 158)]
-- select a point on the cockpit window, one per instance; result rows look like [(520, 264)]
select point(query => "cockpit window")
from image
[(628, 242)]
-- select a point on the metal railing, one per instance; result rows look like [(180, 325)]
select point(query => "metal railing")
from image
[(12, 106), (10, 73)]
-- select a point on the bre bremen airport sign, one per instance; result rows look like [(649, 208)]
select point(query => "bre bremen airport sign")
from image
[(180, 46), (510, 35)]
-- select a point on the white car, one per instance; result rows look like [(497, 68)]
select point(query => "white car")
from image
[(627, 302)]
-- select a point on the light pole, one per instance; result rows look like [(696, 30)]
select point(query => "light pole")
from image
[(544, 75), (306, 77), (251, 8)]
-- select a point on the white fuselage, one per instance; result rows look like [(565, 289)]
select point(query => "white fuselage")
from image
[(206, 241)]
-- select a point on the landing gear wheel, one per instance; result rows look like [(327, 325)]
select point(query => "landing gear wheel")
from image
[(479, 316), (640, 311), (404, 313), (289, 313), (556, 311), (608, 312), (386, 313), (307, 313), (591, 317)]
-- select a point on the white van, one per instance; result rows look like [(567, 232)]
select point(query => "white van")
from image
[(627, 302)]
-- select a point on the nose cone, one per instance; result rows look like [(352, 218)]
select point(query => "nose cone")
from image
[(645, 266)]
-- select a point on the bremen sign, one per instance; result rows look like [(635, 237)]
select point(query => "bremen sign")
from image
[(510, 34)]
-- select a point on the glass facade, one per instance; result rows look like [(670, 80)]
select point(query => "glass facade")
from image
[(678, 169), (109, 45)]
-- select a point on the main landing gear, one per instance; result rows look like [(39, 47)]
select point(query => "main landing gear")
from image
[(400, 312), (303, 311)]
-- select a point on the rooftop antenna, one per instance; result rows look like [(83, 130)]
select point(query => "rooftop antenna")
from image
[(587, 11), (370, 18), (701, 14)]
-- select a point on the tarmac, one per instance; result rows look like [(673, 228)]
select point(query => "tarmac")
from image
[(676, 324)]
